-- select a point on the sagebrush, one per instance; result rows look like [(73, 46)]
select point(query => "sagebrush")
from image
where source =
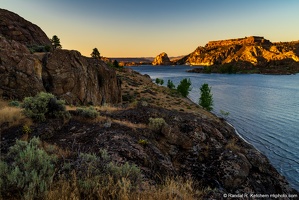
[(44, 105)]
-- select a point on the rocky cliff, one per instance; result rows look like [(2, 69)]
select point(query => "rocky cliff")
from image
[(14, 27), (67, 74), (80, 80), (245, 54), (162, 59)]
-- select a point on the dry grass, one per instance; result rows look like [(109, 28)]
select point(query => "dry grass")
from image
[(231, 145), (129, 124), (13, 116), (106, 107), (3, 103), (172, 189)]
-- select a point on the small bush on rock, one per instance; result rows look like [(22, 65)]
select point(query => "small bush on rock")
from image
[(89, 112), (44, 105), (156, 124)]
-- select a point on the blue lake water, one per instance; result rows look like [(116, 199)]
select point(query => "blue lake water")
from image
[(263, 108)]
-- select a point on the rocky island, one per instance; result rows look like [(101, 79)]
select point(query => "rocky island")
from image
[(162, 59), (124, 137)]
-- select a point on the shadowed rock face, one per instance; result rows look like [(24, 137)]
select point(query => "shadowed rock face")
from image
[(14, 27), (162, 59), (20, 71), (66, 74), (80, 80)]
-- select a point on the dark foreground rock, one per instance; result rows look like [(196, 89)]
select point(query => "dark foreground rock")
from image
[(207, 151)]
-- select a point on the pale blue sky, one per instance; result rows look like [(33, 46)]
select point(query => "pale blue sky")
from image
[(134, 28)]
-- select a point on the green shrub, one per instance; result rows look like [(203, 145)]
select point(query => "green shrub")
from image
[(224, 114), (156, 124), (170, 84), (26, 129), (184, 87), (143, 142), (159, 81), (36, 48), (28, 170), (127, 171), (99, 171), (14, 104), (89, 112), (44, 105)]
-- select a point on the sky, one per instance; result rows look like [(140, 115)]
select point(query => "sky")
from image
[(137, 28)]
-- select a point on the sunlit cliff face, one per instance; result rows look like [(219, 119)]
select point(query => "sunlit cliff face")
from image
[(254, 50)]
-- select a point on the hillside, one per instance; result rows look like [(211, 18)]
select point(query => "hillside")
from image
[(246, 55)]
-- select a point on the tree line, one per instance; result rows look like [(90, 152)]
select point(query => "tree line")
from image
[(206, 96)]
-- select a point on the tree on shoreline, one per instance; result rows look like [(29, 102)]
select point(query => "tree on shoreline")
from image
[(159, 81), (206, 97), (170, 84), (184, 87)]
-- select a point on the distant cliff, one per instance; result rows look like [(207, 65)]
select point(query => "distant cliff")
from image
[(249, 54), (162, 59)]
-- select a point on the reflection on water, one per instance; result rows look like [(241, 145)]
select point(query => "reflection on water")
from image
[(263, 108)]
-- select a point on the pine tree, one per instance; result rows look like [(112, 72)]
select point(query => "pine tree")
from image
[(95, 53), (56, 42), (206, 98)]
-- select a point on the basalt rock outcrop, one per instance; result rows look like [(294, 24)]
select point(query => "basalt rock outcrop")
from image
[(20, 71), (247, 54), (14, 27), (66, 74), (162, 59), (80, 80)]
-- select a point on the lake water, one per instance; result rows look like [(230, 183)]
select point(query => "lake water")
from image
[(263, 108)]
